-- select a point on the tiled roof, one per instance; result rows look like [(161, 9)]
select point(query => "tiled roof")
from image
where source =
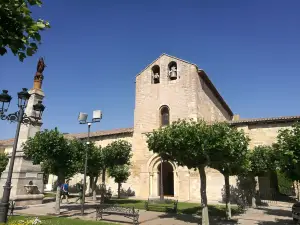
[(82, 135), (267, 120), (101, 133), (7, 142)]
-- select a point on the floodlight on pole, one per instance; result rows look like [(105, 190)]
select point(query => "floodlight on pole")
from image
[(82, 118), (97, 115)]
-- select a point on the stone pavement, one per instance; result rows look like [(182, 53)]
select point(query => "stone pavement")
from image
[(274, 215)]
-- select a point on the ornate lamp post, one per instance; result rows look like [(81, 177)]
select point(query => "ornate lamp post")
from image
[(21, 118), (82, 118)]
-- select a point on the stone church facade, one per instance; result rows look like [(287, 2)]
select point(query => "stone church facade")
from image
[(169, 89)]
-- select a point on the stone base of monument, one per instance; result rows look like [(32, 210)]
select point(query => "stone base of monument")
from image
[(27, 182), (23, 200)]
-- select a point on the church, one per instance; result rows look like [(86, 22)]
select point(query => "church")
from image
[(167, 90)]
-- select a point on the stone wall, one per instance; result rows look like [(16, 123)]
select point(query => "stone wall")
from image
[(263, 133), (209, 107)]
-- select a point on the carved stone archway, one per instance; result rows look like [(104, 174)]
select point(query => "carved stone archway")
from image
[(153, 166)]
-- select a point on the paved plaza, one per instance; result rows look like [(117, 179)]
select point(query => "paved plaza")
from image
[(272, 215)]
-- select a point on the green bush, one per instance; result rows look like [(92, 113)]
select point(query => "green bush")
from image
[(285, 185)]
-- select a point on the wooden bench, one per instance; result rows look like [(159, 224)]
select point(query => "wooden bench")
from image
[(128, 212), (11, 207), (168, 204)]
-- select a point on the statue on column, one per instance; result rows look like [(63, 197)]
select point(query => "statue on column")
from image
[(41, 65), (39, 77)]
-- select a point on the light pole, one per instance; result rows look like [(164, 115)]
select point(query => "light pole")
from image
[(82, 118), (21, 118)]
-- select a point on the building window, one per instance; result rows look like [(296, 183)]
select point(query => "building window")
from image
[(155, 74), (164, 116), (172, 70)]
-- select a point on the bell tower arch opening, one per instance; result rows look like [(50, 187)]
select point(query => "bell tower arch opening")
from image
[(166, 175)]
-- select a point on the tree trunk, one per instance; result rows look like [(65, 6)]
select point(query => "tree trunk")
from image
[(227, 197), (60, 181), (103, 185), (90, 191), (57, 201), (205, 218), (253, 201), (119, 190), (297, 184), (94, 188)]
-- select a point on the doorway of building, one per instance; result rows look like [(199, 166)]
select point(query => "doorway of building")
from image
[(168, 179)]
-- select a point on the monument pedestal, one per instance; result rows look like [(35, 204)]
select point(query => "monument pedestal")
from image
[(24, 172)]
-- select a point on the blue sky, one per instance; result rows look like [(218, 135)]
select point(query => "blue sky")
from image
[(249, 49)]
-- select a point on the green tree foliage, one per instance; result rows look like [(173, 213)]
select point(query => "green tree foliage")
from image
[(54, 152), (287, 147), (114, 154), (262, 160), (120, 175), (19, 32), (228, 154), (94, 162), (187, 143), (3, 161)]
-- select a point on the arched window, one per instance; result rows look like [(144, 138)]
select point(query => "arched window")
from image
[(155, 74), (172, 70), (164, 116)]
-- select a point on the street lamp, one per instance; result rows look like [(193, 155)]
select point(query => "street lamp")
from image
[(21, 118), (82, 118)]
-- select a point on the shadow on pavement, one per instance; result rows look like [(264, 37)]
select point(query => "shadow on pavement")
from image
[(277, 222), (277, 212), (197, 220)]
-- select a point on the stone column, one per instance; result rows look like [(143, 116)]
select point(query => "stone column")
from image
[(151, 184), (24, 171)]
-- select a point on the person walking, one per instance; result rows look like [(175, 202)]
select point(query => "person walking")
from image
[(65, 191)]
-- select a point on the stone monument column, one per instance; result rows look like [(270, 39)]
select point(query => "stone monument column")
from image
[(27, 180)]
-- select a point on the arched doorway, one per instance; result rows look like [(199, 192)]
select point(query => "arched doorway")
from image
[(167, 179)]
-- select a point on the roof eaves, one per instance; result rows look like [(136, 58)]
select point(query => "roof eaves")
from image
[(214, 90), (267, 120)]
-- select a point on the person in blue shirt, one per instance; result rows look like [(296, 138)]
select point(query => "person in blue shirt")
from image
[(65, 191)]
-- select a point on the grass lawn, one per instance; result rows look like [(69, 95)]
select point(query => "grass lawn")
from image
[(183, 207), (50, 194), (50, 220)]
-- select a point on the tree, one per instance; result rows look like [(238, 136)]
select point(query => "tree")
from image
[(94, 163), (262, 159), (114, 154), (54, 152), (186, 143), (287, 148), (19, 32), (120, 174), (3, 161), (228, 154)]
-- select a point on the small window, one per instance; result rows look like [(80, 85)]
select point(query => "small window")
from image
[(155, 74), (172, 70), (164, 116)]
